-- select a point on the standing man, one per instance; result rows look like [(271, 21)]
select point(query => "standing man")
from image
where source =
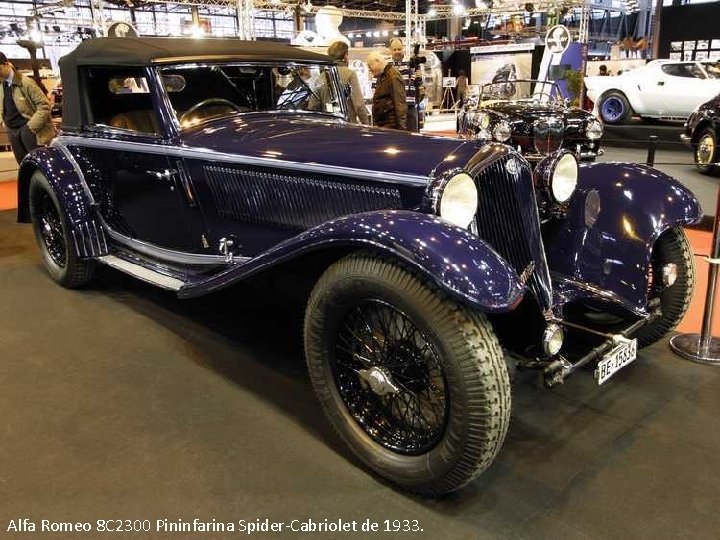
[(412, 79), (24, 109), (389, 107), (357, 113), (461, 87)]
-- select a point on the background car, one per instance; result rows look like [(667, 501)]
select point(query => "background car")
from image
[(701, 132), (197, 164), (662, 89), (532, 116)]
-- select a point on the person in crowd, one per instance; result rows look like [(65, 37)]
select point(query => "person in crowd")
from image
[(603, 71), (25, 111), (412, 79), (299, 92), (357, 113), (389, 107), (461, 87)]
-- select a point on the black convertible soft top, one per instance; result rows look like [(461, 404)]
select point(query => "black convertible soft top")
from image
[(144, 51)]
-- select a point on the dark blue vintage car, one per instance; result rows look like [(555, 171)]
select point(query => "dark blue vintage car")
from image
[(439, 266)]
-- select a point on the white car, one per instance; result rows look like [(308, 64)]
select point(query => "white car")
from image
[(661, 89)]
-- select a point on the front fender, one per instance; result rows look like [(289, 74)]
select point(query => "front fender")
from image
[(75, 200), (458, 262), (612, 249)]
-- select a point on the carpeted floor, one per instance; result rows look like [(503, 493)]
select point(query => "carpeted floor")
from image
[(120, 401)]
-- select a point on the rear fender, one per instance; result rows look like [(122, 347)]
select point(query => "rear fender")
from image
[(460, 263), (612, 248), (75, 200)]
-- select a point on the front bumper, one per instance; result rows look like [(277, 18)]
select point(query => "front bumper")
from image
[(557, 371), (580, 154)]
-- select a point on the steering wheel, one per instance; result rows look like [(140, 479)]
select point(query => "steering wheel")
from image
[(207, 103)]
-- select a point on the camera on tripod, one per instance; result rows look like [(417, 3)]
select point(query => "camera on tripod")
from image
[(415, 60)]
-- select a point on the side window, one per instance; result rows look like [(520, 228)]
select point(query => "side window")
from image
[(120, 98), (691, 71)]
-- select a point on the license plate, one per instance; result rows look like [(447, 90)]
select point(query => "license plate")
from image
[(623, 353)]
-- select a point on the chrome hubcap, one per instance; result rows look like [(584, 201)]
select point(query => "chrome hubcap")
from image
[(669, 274), (379, 380), (705, 150)]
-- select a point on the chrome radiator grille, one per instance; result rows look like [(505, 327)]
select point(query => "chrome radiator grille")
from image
[(508, 220), (291, 201), (547, 135)]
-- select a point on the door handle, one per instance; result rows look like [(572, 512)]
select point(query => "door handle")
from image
[(661, 83)]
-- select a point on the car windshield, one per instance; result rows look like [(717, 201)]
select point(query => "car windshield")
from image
[(712, 69), (200, 92), (522, 90)]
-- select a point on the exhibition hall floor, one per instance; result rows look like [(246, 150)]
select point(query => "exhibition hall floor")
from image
[(121, 402)]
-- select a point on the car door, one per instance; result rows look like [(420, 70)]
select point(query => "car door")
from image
[(679, 88), (142, 192)]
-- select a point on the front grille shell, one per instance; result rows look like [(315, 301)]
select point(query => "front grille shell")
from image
[(508, 219), (547, 135)]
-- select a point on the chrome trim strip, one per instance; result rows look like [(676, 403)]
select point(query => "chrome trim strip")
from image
[(222, 157), (170, 255), (140, 272)]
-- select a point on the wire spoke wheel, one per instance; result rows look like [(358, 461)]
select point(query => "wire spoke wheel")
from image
[(53, 236), (390, 378), (671, 280), (414, 382), (51, 229), (705, 150)]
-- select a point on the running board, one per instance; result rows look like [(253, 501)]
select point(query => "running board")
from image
[(142, 273)]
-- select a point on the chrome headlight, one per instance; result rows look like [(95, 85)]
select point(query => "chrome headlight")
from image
[(459, 200), (502, 131), (564, 177), (594, 130), (482, 119)]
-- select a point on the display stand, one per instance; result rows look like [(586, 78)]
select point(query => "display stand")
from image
[(448, 103), (448, 100), (704, 347)]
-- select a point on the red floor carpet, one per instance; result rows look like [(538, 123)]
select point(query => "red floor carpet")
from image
[(8, 195), (700, 241)]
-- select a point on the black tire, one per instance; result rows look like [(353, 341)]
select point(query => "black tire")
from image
[(614, 108), (51, 232), (671, 247), (706, 151), (460, 352)]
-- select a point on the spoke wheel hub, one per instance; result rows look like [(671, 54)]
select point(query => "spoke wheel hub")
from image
[(379, 380), (705, 150), (51, 230)]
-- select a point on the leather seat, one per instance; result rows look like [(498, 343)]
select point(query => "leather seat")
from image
[(144, 121)]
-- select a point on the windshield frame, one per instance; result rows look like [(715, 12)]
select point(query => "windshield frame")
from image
[(559, 97), (330, 70)]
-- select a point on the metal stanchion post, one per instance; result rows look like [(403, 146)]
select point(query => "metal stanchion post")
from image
[(704, 347), (652, 145)]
